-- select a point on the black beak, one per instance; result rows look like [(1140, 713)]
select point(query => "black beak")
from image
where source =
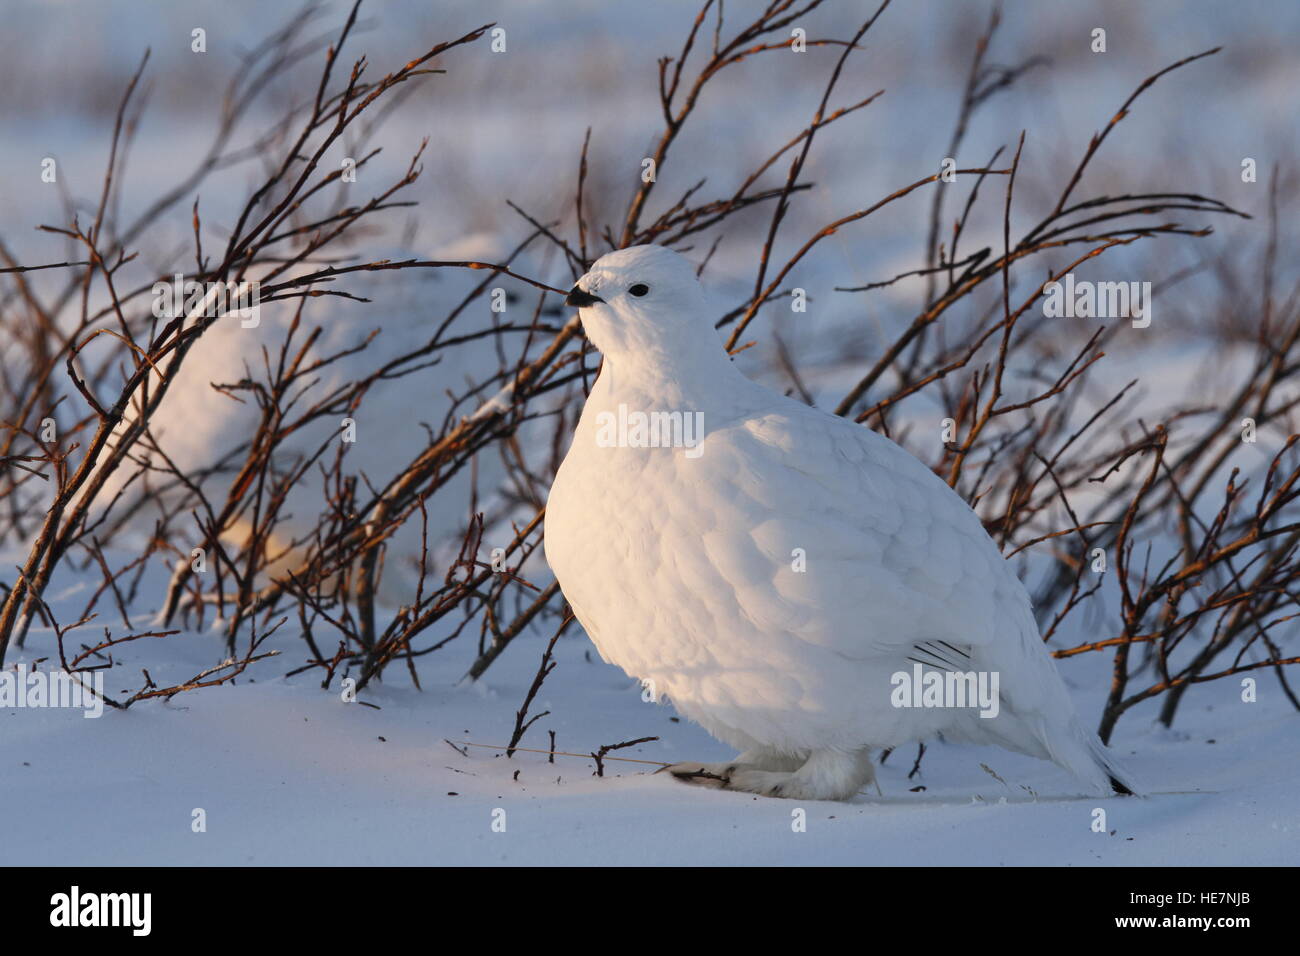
[(579, 298)]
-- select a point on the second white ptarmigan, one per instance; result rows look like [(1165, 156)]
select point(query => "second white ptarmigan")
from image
[(771, 569)]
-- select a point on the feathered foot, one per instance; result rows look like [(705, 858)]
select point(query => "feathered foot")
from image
[(718, 775), (822, 775)]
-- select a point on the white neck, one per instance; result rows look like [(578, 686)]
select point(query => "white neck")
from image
[(703, 379)]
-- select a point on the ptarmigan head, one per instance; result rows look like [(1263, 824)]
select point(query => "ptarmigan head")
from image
[(644, 302)]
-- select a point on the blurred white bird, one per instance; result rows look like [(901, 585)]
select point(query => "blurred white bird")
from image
[(782, 572), (198, 427)]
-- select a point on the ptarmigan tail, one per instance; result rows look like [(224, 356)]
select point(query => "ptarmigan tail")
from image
[(1118, 777), (1057, 737), (1084, 755)]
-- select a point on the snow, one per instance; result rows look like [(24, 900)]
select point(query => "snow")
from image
[(289, 774)]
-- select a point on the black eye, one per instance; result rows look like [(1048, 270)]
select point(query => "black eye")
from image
[(639, 289)]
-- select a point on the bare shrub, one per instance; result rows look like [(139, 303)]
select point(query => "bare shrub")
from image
[(1203, 557)]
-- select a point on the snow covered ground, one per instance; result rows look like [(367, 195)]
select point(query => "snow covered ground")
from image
[(287, 773)]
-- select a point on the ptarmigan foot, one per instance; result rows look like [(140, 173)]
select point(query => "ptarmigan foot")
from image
[(826, 775), (705, 774), (719, 775)]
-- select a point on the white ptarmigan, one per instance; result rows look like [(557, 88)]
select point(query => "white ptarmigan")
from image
[(772, 574)]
